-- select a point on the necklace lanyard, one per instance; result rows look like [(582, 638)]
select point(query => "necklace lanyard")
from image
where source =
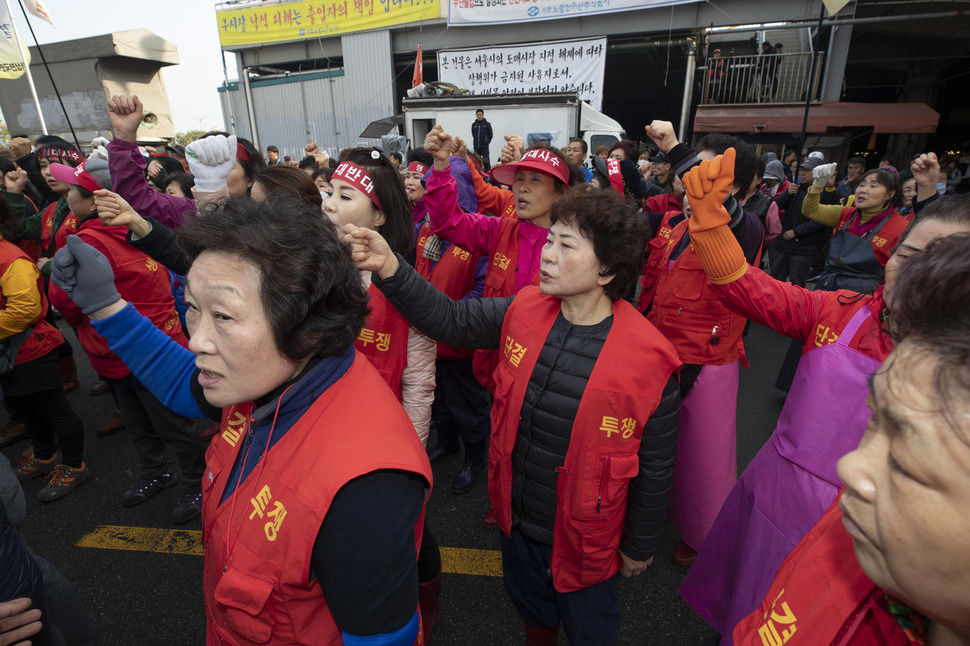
[(242, 468)]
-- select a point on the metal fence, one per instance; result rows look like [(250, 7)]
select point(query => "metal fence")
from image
[(762, 79)]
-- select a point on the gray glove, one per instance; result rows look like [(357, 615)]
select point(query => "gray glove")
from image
[(85, 275)]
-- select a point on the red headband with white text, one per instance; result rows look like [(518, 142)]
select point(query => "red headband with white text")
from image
[(359, 178)]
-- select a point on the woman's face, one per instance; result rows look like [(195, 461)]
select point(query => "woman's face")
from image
[(413, 186), (174, 188), (687, 210), (870, 194), (617, 154), (909, 191), (45, 171), (81, 207), (230, 334), (534, 193), (349, 205), (237, 182), (678, 185), (568, 266), (921, 235), (907, 499), (323, 185)]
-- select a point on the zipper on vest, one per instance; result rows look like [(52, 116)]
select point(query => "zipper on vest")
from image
[(599, 498)]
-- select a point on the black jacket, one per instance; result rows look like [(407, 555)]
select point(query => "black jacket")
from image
[(552, 399)]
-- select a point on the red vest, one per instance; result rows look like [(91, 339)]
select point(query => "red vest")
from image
[(886, 239), (821, 596), (384, 339), (141, 281), (45, 336), (685, 308), (499, 282), (602, 456), (654, 261), (454, 274), (258, 543), (59, 237)]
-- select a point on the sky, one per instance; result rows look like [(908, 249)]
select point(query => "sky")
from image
[(189, 24)]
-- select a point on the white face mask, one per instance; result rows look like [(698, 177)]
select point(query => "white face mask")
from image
[(940, 187)]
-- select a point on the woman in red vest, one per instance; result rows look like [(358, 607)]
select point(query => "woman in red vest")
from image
[(583, 439), (904, 514), (314, 488), (792, 480)]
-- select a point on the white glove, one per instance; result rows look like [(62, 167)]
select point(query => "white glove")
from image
[(822, 174), (210, 160), (99, 141), (99, 153)]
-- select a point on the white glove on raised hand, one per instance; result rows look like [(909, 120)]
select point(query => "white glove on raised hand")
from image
[(99, 153), (822, 174), (210, 160)]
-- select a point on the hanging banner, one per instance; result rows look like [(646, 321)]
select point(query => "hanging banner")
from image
[(298, 20), (11, 56), (540, 68), (484, 12)]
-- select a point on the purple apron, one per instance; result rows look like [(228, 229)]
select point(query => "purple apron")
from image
[(788, 485)]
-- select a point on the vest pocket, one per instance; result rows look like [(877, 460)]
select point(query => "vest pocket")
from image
[(241, 600), (601, 547)]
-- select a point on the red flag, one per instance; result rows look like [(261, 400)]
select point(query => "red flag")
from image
[(418, 77)]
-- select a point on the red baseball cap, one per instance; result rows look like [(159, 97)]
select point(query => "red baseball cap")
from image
[(536, 159), (91, 174)]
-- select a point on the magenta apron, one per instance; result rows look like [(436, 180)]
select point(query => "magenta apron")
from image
[(788, 485), (706, 466)]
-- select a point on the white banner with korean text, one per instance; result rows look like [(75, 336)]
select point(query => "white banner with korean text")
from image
[(484, 12), (531, 68), (12, 64)]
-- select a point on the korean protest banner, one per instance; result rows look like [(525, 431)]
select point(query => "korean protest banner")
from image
[(12, 65), (483, 12), (276, 22), (556, 66)]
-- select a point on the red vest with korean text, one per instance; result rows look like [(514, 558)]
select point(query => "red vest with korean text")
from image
[(47, 234), (885, 240), (820, 595), (258, 543), (45, 336), (499, 281), (654, 261), (141, 281), (453, 274), (602, 456), (384, 339), (688, 312)]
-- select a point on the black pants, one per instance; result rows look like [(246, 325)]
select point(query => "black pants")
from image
[(784, 265), (461, 405), (483, 153), (154, 427)]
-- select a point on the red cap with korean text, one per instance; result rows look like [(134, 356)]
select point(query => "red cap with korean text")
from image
[(542, 160), (91, 174)]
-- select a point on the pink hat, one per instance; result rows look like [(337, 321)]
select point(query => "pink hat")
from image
[(91, 174), (537, 159)]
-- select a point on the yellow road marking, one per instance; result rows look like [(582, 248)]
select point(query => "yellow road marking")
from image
[(454, 560)]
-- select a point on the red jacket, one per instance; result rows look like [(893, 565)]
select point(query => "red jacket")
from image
[(602, 456), (821, 596), (47, 234), (453, 274), (384, 340), (140, 280), (259, 542), (685, 308), (45, 336)]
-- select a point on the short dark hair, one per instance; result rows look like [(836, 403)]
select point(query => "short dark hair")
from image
[(856, 160), (890, 180), (307, 162), (628, 147), (421, 156), (185, 181), (285, 180), (398, 225), (582, 142), (479, 110), (325, 172), (309, 289), (396, 157), (272, 149), (745, 161), (617, 234)]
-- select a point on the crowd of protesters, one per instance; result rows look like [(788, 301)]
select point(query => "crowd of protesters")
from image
[(572, 324)]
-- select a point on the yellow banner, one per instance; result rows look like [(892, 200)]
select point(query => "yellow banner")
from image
[(12, 64), (299, 20)]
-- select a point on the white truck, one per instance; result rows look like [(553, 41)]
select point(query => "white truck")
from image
[(550, 118)]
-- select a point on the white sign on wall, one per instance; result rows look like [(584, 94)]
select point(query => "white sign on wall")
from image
[(539, 68), (484, 12)]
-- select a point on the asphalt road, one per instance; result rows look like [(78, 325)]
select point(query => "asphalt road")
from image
[(151, 597)]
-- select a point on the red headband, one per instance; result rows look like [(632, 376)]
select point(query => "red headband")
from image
[(615, 176), (417, 167), (242, 154), (358, 177), (52, 152)]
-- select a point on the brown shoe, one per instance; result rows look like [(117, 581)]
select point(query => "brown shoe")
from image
[(111, 427), (12, 432), (99, 388)]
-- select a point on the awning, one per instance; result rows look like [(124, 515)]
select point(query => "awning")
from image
[(381, 127), (882, 117)]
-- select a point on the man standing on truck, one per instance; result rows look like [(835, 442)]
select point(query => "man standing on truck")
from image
[(481, 136)]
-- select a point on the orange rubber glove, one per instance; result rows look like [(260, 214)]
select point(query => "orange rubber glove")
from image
[(718, 251)]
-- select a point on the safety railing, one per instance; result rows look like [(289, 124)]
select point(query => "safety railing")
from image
[(761, 79)]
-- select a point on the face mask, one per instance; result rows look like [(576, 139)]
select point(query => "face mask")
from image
[(940, 187)]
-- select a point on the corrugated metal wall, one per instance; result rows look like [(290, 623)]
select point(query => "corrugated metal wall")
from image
[(330, 110)]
